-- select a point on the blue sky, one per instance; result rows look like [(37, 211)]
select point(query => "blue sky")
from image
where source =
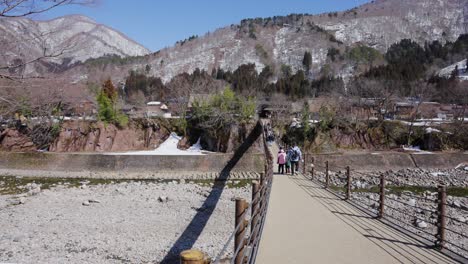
[(157, 24)]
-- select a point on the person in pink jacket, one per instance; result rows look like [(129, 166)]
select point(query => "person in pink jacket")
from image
[(281, 161)]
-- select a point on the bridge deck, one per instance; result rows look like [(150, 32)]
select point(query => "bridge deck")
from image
[(307, 224)]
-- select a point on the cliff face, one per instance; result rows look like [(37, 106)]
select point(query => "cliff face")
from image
[(99, 137), (84, 136), (14, 140)]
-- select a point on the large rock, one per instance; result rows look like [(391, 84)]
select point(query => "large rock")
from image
[(231, 139), (14, 140), (100, 137)]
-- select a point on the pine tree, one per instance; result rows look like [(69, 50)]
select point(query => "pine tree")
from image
[(109, 90), (307, 61), (107, 102)]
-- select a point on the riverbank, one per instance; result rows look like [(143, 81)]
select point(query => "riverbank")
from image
[(130, 222)]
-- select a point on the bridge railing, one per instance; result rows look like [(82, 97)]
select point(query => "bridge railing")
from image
[(249, 220), (247, 233), (428, 215)]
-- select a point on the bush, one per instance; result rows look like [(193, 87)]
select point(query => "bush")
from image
[(108, 111), (327, 116), (223, 110)]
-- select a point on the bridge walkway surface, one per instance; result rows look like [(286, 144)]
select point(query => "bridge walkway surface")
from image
[(307, 224)]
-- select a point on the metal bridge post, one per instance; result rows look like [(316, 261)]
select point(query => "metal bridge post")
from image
[(239, 241), (348, 183), (382, 197), (312, 168), (304, 169), (327, 175), (442, 213)]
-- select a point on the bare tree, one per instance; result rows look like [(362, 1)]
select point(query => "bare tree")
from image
[(421, 91), (380, 96), (12, 78), (10, 9), (24, 8)]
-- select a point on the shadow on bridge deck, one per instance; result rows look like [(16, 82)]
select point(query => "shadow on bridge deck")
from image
[(194, 229), (400, 247)]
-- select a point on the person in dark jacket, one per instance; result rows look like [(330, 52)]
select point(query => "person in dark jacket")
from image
[(296, 157)]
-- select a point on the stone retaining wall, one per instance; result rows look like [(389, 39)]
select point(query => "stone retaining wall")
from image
[(126, 167), (391, 160), (199, 167)]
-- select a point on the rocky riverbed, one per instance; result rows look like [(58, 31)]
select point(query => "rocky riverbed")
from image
[(418, 214), (125, 222), (411, 200)]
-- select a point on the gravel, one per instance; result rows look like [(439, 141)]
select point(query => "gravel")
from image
[(131, 222)]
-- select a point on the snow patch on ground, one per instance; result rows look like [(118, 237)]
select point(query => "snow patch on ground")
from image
[(416, 149), (168, 148)]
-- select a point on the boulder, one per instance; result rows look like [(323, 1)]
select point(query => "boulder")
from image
[(163, 199), (421, 224), (184, 143), (34, 191), (456, 204)]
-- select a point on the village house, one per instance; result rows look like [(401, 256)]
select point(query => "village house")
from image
[(157, 109), (84, 108), (317, 104)]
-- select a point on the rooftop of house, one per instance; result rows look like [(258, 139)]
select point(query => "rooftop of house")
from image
[(154, 103)]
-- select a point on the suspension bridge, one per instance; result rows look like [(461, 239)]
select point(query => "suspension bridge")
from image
[(300, 219)]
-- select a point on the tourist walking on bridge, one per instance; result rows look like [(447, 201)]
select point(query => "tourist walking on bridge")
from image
[(281, 161), (288, 160), (296, 156)]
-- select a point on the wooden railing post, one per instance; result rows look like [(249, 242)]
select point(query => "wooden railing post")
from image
[(327, 175), (348, 183), (239, 241), (255, 202), (442, 213), (262, 191), (382, 197), (192, 257)]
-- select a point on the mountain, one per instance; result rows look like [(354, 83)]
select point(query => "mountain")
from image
[(358, 37), (284, 40), (65, 40)]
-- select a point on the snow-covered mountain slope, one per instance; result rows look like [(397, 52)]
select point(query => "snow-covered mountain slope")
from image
[(462, 70), (283, 40), (66, 40)]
